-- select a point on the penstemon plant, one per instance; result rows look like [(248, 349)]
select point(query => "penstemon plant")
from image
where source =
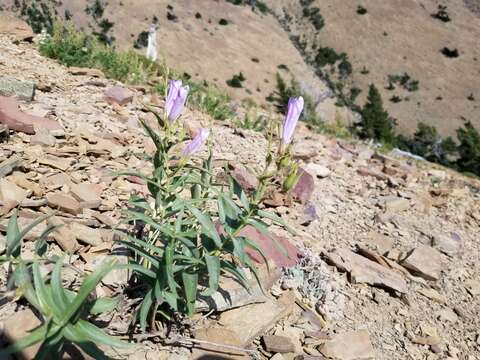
[(64, 312), (192, 224)]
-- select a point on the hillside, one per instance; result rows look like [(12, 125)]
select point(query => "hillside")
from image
[(381, 40), (382, 262), (398, 37)]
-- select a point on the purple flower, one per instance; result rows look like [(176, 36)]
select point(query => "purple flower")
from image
[(197, 142), (176, 98), (295, 108)]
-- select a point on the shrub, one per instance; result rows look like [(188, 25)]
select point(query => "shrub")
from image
[(223, 22), (328, 56), (38, 17), (376, 123), (316, 19), (142, 40), (469, 149), (450, 53), (72, 48), (236, 81), (395, 99), (210, 100), (404, 80), (95, 10), (442, 14), (361, 10)]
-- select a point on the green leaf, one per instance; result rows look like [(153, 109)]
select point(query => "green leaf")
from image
[(237, 190), (275, 219), (236, 272), (264, 230), (168, 258), (32, 225), (207, 226), (213, 267), (190, 283), (145, 309), (44, 296), (13, 236), (96, 335), (58, 293), (153, 135), (88, 285), (102, 305)]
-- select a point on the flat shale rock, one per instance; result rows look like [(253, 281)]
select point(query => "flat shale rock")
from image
[(17, 120), (363, 270), (118, 95), (64, 202), (87, 194), (425, 262), (250, 321), (218, 335), (11, 192), (354, 345), (278, 344)]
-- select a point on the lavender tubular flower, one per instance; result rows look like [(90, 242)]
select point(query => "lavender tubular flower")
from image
[(295, 108), (197, 142), (176, 98)]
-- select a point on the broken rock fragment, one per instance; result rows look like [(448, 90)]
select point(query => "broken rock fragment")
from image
[(118, 95), (425, 262), (17, 120), (363, 270), (23, 90), (250, 321), (278, 344), (64, 202), (303, 190), (87, 194), (354, 345), (11, 192)]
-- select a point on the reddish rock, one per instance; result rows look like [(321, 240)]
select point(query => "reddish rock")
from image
[(246, 179), (303, 190), (17, 120), (277, 249), (118, 95)]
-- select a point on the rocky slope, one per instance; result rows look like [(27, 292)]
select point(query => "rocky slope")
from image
[(390, 247)]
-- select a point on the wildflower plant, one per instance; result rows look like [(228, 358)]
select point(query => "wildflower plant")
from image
[(64, 313), (191, 224)]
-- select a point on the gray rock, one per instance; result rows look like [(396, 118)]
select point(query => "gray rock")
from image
[(450, 244), (23, 90), (363, 270)]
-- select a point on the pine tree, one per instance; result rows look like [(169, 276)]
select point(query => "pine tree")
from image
[(376, 123), (469, 149)]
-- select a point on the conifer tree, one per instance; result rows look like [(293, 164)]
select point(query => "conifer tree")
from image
[(469, 149), (376, 123)]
